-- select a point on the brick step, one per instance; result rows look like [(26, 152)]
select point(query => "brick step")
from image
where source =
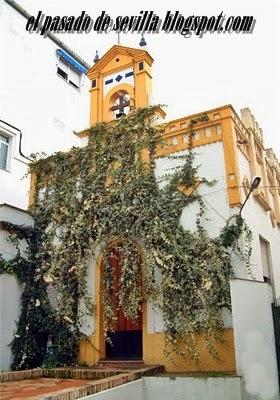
[(121, 364)]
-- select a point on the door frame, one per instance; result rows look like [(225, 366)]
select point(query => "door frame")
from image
[(99, 337)]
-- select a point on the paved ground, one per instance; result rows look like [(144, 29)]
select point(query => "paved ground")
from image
[(32, 389)]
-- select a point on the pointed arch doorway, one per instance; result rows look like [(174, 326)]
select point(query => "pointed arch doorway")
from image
[(126, 341)]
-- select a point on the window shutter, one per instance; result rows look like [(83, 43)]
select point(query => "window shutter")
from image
[(74, 77), (62, 69)]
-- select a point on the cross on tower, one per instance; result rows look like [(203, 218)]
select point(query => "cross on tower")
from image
[(122, 102)]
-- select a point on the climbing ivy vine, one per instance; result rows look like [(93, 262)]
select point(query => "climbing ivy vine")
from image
[(106, 195)]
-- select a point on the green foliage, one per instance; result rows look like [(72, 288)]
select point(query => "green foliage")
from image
[(105, 195), (29, 343), (233, 230)]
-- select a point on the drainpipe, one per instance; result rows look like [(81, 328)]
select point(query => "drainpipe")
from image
[(20, 139)]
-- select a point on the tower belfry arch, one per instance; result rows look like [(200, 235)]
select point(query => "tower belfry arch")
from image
[(122, 104), (120, 81)]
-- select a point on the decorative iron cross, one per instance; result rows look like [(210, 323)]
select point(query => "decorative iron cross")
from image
[(122, 103)]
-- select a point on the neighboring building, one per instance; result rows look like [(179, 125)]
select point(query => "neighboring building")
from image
[(230, 150), (43, 101)]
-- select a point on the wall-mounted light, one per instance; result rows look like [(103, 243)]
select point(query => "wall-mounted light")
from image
[(254, 185)]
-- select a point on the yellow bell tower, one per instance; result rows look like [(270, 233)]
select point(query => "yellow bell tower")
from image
[(120, 81)]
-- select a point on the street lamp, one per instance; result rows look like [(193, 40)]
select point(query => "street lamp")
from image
[(254, 185)]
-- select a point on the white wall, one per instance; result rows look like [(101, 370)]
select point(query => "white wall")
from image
[(210, 159), (14, 183), (9, 311), (260, 223), (128, 391), (252, 305), (35, 99), (212, 166), (182, 388), (254, 339), (10, 292), (87, 321), (173, 388)]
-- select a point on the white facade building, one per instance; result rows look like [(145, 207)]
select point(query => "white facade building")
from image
[(253, 291), (44, 94), (45, 97), (43, 101)]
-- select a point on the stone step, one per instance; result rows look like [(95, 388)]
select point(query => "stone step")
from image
[(121, 364)]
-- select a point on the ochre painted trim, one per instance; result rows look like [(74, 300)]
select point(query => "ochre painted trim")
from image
[(93, 349), (114, 70), (226, 107), (170, 149), (33, 180), (134, 54), (144, 71), (153, 353), (232, 173)]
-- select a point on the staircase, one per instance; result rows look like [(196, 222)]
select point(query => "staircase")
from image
[(121, 364)]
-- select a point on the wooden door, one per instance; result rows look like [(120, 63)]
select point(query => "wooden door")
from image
[(126, 340)]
